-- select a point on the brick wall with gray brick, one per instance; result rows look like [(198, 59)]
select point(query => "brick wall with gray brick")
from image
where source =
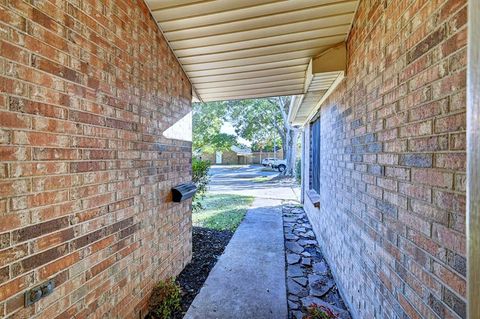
[(87, 89), (392, 216)]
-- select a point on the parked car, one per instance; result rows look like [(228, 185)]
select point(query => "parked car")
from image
[(279, 164), (268, 161)]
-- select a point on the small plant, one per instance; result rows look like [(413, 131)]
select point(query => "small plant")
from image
[(200, 178), (315, 311), (165, 300), (298, 171)]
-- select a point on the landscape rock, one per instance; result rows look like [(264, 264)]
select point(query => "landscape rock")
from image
[(294, 247), (307, 261), (293, 305), (309, 234), (307, 242), (320, 268), (306, 254), (291, 237), (296, 289), (295, 271), (320, 284), (297, 315), (300, 229), (293, 258), (301, 280), (308, 277)]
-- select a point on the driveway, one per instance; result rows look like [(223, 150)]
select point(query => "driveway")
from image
[(252, 180)]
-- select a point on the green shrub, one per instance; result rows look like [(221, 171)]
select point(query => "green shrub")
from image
[(165, 300), (319, 312), (200, 177), (298, 171)]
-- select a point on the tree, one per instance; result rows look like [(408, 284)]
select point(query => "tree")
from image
[(264, 120), (266, 146), (208, 119)]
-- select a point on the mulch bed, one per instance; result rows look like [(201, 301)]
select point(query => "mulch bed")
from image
[(208, 245)]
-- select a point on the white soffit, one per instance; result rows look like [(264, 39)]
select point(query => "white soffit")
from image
[(323, 74), (234, 49)]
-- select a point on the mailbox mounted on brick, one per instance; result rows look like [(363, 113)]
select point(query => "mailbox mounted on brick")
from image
[(183, 191)]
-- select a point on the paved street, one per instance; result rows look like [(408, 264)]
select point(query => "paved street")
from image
[(251, 180)]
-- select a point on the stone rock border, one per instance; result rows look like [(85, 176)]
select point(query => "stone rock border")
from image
[(309, 279)]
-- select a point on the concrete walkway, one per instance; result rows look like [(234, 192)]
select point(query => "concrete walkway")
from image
[(248, 280)]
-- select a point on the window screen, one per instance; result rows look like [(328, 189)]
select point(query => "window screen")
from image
[(315, 155)]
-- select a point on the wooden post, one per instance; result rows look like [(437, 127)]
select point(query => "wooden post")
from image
[(473, 160)]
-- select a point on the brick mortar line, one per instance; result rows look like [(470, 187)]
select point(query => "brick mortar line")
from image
[(412, 258), (86, 281), (407, 23), (379, 19), (64, 27), (403, 55), (80, 98), (69, 251)]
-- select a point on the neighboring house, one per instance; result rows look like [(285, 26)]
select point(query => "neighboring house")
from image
[(235, 156)]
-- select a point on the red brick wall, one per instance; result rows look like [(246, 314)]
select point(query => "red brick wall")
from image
[(86, 90), (392, 222)]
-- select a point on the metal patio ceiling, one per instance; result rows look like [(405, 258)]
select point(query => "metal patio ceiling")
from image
[(233, 49)]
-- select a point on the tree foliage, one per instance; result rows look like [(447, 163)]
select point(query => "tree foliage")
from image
[(267, 146), (263, 121), (208, 119), (257, 120)]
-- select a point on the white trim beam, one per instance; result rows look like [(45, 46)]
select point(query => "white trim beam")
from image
[(473, 161)]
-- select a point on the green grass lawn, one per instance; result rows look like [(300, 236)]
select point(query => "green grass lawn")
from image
[(262, 179), (222, 212)]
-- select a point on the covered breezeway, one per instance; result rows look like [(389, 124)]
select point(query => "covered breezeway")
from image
[(94, 122)]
